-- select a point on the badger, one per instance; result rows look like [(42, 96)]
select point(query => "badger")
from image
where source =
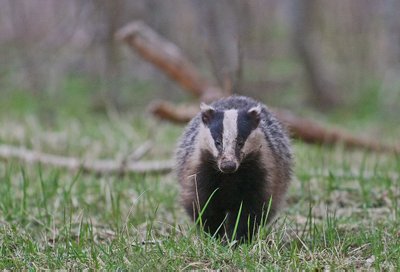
[(234, 165)]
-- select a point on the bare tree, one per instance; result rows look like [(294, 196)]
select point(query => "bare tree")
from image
[(22, 40), (109, 17), (224, 30), (393, 23), (322, 85)]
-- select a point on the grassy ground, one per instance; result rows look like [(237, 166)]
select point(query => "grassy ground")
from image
[(342, 208)]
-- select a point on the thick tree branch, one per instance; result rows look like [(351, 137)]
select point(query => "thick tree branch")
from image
[(176, 114), (316, 133), (167, 57)]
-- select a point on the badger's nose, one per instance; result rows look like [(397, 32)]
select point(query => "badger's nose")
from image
[(228, 166)]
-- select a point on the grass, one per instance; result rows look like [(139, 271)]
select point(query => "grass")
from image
[(342, 208)]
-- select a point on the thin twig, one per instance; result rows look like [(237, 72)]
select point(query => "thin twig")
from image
[(75, 164), (140, 152)]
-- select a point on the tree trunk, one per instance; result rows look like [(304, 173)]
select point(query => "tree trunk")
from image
[(323, 88)]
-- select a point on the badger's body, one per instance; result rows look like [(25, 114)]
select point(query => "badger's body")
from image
[(233, 154)]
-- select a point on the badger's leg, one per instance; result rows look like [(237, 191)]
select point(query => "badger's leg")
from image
[(247, 224), (213, 220), (203, 204), (254, 213)]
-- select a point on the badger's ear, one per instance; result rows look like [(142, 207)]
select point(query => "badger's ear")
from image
[(207, 113), (255, 113)]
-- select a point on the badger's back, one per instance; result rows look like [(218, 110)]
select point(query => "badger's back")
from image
[(264, 171)]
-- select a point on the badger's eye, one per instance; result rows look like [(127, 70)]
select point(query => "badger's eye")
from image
[(218, 143), (240, 143)]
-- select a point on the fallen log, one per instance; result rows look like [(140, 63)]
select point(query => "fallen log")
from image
[(169, 59), (300, 128), (315, 133), (176, 114), (75, 164)]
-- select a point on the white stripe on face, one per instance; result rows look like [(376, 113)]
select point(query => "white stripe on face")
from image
[(229, 134), (206, 140)]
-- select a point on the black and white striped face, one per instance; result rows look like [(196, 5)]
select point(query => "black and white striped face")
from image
[(226, 134)]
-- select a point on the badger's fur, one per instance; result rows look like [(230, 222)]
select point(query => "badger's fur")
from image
[(234, 154)]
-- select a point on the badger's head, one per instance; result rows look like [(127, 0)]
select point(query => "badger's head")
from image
[(229, 135)]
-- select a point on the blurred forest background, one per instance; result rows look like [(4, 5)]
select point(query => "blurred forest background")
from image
[(74, 114), (339, 57)]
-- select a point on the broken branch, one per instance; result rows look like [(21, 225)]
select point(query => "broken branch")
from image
[(167, 57), (170, 60)]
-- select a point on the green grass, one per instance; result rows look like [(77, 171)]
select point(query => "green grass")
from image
[(342, 208)]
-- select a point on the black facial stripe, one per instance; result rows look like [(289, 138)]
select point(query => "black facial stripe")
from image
[(216, 127), (245, 125)]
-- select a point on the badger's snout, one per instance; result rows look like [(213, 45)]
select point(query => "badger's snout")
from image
[(228, 166)]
